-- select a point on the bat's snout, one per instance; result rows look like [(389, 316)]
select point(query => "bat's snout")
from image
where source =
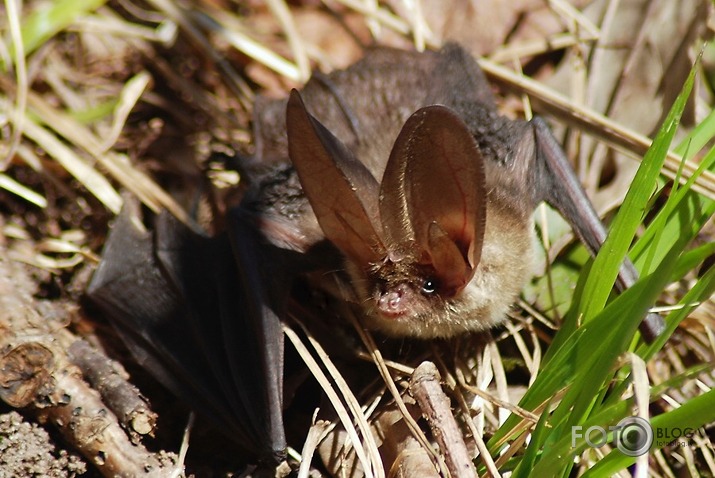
[(393, 302)]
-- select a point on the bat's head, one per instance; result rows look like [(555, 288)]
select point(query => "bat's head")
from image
[(406, 295), (413, 241)]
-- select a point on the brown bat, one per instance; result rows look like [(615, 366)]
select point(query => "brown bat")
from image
[(443, 243)]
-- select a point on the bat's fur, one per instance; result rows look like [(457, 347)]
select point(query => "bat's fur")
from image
[(364, 109), (505, 266)]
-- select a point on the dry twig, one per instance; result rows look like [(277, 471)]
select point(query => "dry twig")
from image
[(35, 373)]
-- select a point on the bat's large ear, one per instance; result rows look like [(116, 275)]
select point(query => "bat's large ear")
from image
[(342, 192), (435, 179)]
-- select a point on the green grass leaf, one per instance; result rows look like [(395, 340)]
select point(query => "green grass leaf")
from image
[(582, 361), (691, 415), (631, 213), (51, 18)]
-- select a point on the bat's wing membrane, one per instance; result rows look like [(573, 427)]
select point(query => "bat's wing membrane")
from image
[(200, 323)]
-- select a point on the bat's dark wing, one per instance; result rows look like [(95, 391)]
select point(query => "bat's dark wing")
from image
[(199, 314), (554, 181)]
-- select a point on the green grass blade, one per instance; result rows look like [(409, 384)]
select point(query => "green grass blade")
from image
[(606, 339), (559, 452), (691, 259), (529, 458), (631, 213), (685, 212), (586, 349), (51, 18), (698, 137), (692, 414), (702, 290)]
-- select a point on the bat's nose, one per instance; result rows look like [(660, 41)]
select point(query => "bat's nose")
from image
[(392, 303)]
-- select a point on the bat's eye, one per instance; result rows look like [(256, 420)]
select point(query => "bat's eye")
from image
[(429, 286)]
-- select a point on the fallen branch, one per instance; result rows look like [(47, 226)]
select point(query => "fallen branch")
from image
[(425, 387), (36, 374)]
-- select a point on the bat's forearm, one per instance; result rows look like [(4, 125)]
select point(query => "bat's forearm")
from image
[(556, 183)]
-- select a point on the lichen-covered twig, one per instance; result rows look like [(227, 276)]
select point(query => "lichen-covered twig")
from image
[(123, 398)]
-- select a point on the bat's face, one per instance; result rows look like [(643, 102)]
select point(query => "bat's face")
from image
[(428, 252), (402, 297)]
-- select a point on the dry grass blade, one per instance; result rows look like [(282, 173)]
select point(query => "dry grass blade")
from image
[(478, 438), (9, 184), (515, 446), (580, 21), (366, 459), (281, 12), (116, 164), (350, 399), (537, 316), (500, 379), (705, 447), (531, 361), (641, 387), (383, 16), (228, 27), (128, 98), (374, 26), (181, 17), (18, 112), (95, 182), (378, 360), (530, 48), (165, 33), (317, 432), (420, 29), (396, 366), (506, 405), (580, 31), (184, 448), (598, 125)]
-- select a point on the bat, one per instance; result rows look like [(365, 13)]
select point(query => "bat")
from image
[(442, 243)]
